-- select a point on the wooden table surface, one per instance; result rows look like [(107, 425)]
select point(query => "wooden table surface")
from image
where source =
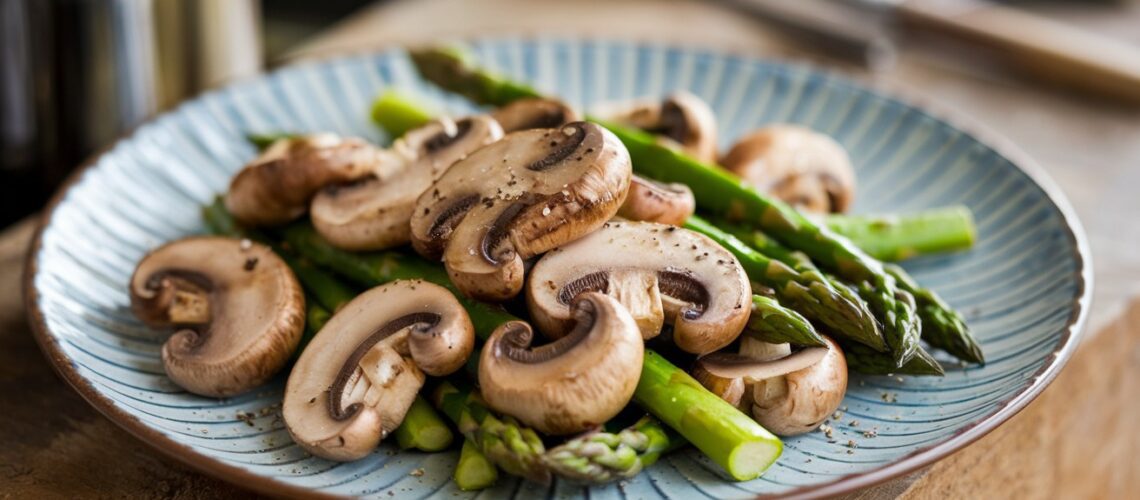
[(1076, 440)]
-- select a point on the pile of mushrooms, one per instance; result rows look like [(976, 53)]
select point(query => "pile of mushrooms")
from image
[(357, 378)]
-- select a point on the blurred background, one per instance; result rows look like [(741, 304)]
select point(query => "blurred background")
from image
[(1059, 78)]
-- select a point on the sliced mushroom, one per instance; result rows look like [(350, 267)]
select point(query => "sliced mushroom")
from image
[(372, 213), (573, 384), (660, 273), (804, 168), (238, 310), (731, 390), (751, 370), (531, 113), (681, 120), (516, 198), (277, 186), (357, 378), (652, 201), (797, 402)]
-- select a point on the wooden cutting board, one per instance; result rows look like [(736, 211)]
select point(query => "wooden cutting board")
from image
[(1076, 441)]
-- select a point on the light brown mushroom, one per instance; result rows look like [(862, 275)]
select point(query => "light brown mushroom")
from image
[(660, 273), (355, 381), (277, 186), (652, 201), (372, 213), (516, 198), (573, 384), (238, 310), (802, 167), (531, 113), (799, 401), (681, 120)]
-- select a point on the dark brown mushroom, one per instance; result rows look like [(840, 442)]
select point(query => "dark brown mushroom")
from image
[(238, 310), (516, 198)]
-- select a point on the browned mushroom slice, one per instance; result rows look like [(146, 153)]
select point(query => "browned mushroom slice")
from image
[(652, 201), (804, 168), (277, 186), (736, 366), (372, 213), (660, 273), (531, 113), (238, 309), (681, 120), (516, 198), (357, 378), (573, 384)]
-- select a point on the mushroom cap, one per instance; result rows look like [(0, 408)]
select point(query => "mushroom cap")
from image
[(799, 401), (682, 120), (729, 389), (372, 213), (356, 379), (652, 201), (535, 112), (660, 273), (238, 309), (802, 167), (276, 186), (573, 384), (516, 198)]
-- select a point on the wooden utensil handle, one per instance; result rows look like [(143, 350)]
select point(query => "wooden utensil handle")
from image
[(1044, 48)]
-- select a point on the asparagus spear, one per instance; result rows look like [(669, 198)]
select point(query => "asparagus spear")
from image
[(942, 326), (809, 293), (776, 324), (603, 457), (900, 237), (474, 471), (397, 114), (515, 448), (864, 360), (718, 429), (263, 141), (451, 69), (423, 429)]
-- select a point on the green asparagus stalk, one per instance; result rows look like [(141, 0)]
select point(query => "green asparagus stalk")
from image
[(474, 471), (809, 293), (776, 324), (900, 237), (397, 114), (864, 360), (451, 69), (513, 447), (730, 438), (602, 457), (723, 438), (942, 326), (423, 429), (263, 141)]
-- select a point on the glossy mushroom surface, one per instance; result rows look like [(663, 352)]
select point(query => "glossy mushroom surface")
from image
[(516, 198), (804, 168), (660, 273), (357, 378), (573, 384), (237, 309)]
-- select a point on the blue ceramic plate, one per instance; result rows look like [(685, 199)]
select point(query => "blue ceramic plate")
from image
[(1024, 288)]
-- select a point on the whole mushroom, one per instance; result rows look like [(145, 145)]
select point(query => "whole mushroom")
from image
[(652, 201), (277, 186), (238, 310), (573, 384), (355, 381), (660, 273), (790, 394), (372, 212), (802, 167), (517, 198), (534, 112), (681, 120)]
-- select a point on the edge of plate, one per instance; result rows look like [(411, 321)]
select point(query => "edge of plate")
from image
[(845, 484)]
